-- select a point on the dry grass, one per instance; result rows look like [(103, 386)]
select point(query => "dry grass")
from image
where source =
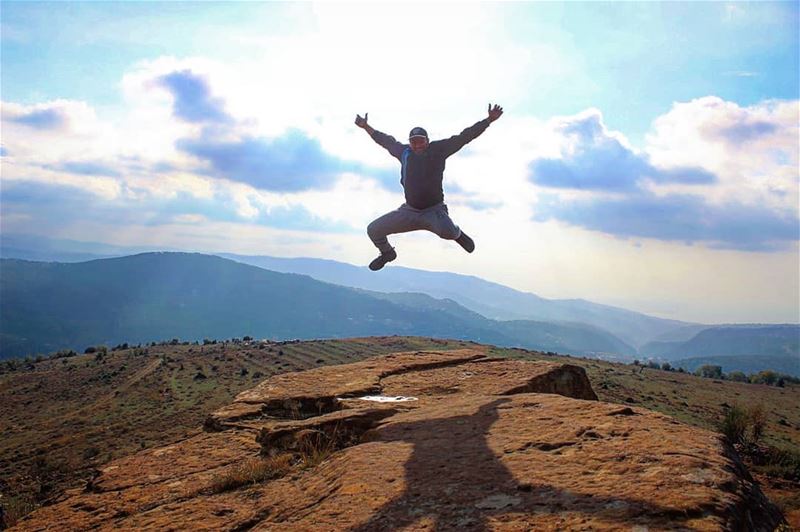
[(251, 471), (317, 447), (15, 508)]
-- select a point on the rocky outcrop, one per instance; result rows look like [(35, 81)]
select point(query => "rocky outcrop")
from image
[(476, 444)]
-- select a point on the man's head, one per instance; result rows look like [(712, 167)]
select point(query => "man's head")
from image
[(418, 139)]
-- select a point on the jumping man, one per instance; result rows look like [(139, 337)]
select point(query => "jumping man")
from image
[(421, 174)]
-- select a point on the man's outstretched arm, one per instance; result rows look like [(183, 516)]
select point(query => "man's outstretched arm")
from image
[(387, 141), (456, 142)]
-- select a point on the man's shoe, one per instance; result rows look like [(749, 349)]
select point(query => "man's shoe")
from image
[(466, 242), (382, 259)]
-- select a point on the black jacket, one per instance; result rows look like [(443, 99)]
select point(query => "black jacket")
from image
[(421, 174)]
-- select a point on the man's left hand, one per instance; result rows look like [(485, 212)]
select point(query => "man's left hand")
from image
[(495, 112)]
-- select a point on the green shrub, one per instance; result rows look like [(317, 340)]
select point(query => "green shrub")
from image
[(742, 426), (776, 462), (783, 463), (734, 425)]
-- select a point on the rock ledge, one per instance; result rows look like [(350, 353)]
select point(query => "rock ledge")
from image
[(486, 444)]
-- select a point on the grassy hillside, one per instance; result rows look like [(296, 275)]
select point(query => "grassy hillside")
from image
[(61, 418)]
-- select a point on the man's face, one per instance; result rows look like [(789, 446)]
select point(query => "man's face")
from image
[(418, 144)]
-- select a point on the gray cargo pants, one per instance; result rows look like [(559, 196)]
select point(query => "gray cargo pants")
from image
[(435, 219)]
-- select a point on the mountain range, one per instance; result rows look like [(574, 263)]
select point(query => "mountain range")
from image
[(492, 300), (46, 306), (489, 299), (396, 300)]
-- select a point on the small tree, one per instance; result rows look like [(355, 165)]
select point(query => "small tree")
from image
[(709, 371), (767, 377), (737, 376)]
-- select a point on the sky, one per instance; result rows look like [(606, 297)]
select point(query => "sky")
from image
[(647, 156)]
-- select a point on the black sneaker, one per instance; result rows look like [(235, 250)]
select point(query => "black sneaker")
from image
[(466, 242), (382, 259)]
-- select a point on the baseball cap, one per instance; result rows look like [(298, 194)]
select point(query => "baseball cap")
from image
[(418, 132)]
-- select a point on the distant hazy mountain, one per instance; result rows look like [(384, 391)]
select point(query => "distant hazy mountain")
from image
[(44, 249), (577, 338), (156, 296), (787, 364), (680, 334), (488, 299), (732, 340)]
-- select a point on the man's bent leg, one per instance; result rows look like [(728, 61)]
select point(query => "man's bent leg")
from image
[(443, 225), (401, 220), (440, 223)]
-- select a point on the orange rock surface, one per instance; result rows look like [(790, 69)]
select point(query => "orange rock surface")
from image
[(485, 444)]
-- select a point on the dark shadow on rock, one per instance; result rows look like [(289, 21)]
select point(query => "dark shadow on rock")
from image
[(456, 480)]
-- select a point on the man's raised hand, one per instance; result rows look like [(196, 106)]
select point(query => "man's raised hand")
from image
[(495, 112), (362, 122)]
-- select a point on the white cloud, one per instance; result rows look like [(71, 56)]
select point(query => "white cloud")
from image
[(54, 130), (753, 150)]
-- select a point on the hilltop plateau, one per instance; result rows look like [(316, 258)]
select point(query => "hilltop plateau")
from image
[(134, 399)]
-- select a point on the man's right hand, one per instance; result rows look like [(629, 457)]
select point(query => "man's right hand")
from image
[(495, 112), (362, 122)]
